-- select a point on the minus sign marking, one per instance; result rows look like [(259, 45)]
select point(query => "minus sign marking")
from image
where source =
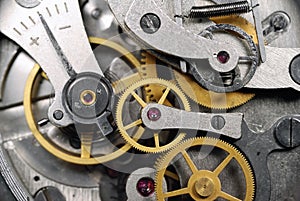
[(16, 30), (31, 19), (65, 27), (66, 7), (24, 25)]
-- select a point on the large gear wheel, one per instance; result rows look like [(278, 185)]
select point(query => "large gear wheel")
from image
[(131, 127), (204, 184), (211, 99), (59, 152)]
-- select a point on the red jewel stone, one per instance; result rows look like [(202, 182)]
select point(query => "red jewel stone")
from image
[(145, 186), (223, 57), (153, 114)]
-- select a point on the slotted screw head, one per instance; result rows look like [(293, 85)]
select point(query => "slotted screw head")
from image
[(150, 23)]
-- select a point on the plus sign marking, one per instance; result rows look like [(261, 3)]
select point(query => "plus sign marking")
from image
[(34, 41)]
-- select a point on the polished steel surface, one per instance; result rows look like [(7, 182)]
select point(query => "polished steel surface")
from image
[(29, 30)]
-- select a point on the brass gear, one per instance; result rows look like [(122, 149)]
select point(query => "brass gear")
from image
[(211, 99), (148, 66), (204, 185), (152, 92), (57, 151), (136, 124)]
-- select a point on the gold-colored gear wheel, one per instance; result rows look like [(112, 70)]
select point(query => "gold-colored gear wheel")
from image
[(136, 124), (85, 157), (211, 99), (152, 92), (204, 185)]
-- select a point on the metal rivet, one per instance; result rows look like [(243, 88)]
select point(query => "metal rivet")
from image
[(96, 13), (58, 115)]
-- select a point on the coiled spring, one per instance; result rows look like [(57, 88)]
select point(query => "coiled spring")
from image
[(220, 10)]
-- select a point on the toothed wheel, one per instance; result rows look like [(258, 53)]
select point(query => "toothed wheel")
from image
[(210, 99), (85, 155), (204, 179), (130, 123)]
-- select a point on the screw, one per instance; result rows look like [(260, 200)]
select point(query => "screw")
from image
[(287, 132), (58, 115), (96, 13), (218, 122), (153, 114), (279, 22), (295, 69), (150, 23)]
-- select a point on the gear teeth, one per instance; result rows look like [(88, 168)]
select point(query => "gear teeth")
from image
[(164, 161), (160, 161), (148, 66), (217, 107), (238, 21), (143, 58), (203, 97), (127, 92), (57, 151)]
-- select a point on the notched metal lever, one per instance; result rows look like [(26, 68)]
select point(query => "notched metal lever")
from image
[(157, 31), (157, 117)]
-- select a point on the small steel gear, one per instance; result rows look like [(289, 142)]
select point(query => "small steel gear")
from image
[(211, 99), (238, 21), (204, 184), (85, 158), (131, 128)]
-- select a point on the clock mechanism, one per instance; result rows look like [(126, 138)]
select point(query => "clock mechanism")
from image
[(149, 100)]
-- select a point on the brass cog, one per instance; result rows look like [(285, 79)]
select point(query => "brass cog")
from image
[(135, 126), (204, 184), (85, 158), (148, 66), (148, 69), (211, 99)]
